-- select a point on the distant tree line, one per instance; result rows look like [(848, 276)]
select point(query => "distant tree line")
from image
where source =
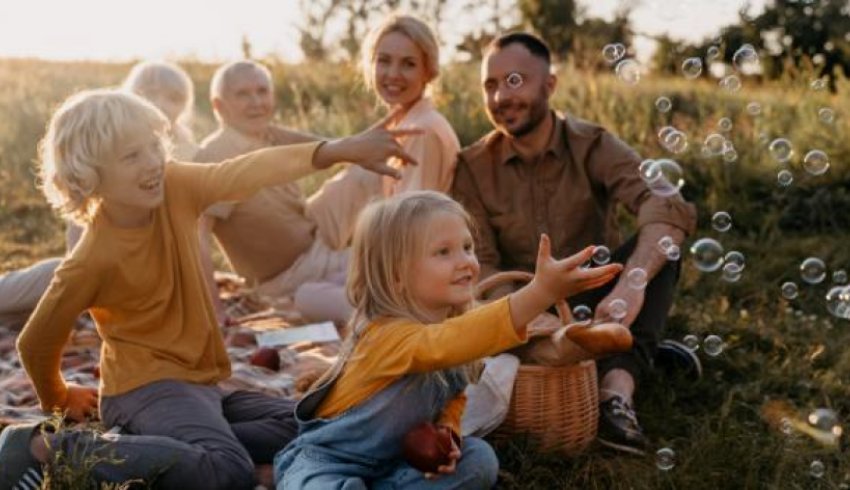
[(792, 36)]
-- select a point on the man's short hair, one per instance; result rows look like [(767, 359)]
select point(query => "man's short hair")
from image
[(532, 43), (224, 75)]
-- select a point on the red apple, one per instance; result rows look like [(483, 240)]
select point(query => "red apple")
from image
[(427, 446), (267, 358)]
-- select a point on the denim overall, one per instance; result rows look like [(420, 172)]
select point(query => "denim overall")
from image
[(361, 448)]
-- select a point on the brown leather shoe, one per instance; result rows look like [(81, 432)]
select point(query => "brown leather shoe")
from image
[(600, 339)]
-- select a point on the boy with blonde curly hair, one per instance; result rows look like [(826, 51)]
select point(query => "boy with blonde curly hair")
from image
[(105, 164)]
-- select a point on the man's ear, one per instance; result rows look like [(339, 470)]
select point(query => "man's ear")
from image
[(551, 84), (216, 105)]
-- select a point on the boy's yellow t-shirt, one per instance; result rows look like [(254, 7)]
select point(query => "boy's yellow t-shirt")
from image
[(144, 286), (390, 349)]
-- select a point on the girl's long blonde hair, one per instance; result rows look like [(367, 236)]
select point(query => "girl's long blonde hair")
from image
[(390, 234)]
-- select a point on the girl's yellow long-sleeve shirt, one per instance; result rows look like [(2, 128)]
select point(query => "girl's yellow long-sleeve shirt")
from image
[(144, 286), (390, 349)]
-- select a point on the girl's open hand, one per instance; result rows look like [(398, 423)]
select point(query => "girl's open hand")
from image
[(564, 278)]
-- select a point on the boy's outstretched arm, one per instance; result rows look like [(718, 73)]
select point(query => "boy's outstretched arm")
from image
[(556, 279)]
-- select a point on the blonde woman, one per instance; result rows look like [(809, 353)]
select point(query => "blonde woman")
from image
[(400, 62), (170, 89)]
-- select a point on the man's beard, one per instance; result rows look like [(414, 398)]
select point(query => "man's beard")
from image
[(538, 109)]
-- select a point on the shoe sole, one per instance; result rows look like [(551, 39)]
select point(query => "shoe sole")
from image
[(621, 447)]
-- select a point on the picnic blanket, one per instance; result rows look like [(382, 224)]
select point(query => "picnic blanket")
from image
[(301, 363)]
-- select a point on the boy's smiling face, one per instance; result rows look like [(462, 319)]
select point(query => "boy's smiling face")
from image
[(131, 183)]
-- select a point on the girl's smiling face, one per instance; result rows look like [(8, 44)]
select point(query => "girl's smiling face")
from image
[(445, 273)]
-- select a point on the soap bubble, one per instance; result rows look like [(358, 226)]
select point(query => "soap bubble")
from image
[(628, 71), (692, 68), (735, 257), (613, 52), (730, 156), (746, 60), (712, 53), (754, 108), (781, 150), (676, 142), (789, 290), (825, 420), (514, 80), (601, 255), (618, 308), (674, 253), (668, 178), (663, 104), (817, 469), (818, 84), (636, 278), (816, 162), (664, 243), (826, 115), (714, 143), (730, 83), (813, 270), (707, 254), (839, 276), (724, 124), (691, 341), (721, 221), (713, 345), (731, 272), (582, 314), (784, 178), (665, 459), (838, 302)]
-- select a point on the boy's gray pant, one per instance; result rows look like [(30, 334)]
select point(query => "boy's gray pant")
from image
[(184, 435)]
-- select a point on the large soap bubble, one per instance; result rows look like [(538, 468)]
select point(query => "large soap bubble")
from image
[(692, 68), (707, 254), (746, 60), (666, 179), (816, 162)]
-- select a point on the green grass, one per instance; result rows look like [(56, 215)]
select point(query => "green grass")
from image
[(775, 349)]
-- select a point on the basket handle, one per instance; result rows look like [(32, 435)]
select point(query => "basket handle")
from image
[(506, 277)]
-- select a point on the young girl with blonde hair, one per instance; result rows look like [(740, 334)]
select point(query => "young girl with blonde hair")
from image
[(413, 336), (136, 270)]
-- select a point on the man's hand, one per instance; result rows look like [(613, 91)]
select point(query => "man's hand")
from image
[(371, 149), (634, 302), (81, 403)]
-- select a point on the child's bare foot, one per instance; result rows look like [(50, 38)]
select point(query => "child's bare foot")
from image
[(600, 339)]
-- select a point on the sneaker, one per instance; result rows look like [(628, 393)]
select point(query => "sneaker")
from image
[(675, 357), (619, 428), (19, 470)]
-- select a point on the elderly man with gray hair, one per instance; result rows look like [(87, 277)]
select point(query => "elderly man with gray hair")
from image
[(278, 239)]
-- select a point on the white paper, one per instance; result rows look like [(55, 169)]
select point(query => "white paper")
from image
[(315, 332)]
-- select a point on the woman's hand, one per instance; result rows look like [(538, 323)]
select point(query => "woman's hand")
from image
[(81, 403), (370, 149)]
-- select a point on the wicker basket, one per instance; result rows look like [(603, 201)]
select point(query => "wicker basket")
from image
[(557, 406)]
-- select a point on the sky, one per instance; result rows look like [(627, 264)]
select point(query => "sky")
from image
[(212, 30)]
